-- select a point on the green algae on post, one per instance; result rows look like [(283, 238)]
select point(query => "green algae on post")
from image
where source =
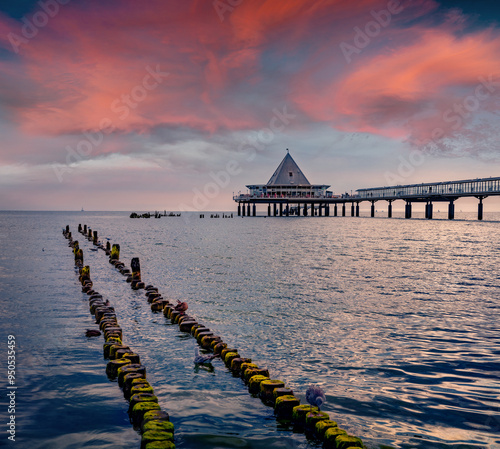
[(164, 426), (155, 435), (348, 441), (331, 435), (300, 412), (254, 383), (314, 417), (322, 426), (284, 405)]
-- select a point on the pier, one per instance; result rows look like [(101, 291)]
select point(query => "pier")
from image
[(289, 193)]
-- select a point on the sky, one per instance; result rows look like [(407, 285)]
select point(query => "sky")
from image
[(162, 104)]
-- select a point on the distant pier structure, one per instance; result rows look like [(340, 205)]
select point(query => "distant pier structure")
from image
[(289, 193)]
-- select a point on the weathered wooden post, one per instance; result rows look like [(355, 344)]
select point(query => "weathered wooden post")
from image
[(115, 252), (136, 282), (79, 257), (136, 269)]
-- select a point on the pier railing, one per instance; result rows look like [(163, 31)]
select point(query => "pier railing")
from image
[(299, 196), (452, 189)]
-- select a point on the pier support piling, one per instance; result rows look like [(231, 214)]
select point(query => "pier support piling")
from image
[(281, 209), (372, 210), (254, 209), (408, 209), (480, 208), (335, 210), (428, 210), (451, 210), (248, 209), (352, 209), (305, 209), (343, 209), (269, 210), (327, 210), (389, 210), (239, 209), (357, 209)]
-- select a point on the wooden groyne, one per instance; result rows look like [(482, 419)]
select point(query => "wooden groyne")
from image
[(273, 392), (146, 415)]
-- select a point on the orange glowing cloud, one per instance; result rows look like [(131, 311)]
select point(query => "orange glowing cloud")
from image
[(124, 67), (408, 90), (91, 66)]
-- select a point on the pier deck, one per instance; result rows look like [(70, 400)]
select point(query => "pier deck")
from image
[(301, 203)]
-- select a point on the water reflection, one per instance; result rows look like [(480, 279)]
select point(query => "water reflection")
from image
[(395, 319)]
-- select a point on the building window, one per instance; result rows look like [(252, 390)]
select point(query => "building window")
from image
[(290, 174)]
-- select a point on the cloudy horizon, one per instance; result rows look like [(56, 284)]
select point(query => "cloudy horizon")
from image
[(121, 106)]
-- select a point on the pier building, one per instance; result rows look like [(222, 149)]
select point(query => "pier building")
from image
[(288, 192)]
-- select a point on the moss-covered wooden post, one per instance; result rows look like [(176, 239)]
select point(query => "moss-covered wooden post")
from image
[(78, 255), (115, 252), (85, 274)]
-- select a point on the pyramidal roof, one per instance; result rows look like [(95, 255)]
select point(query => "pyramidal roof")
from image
[(288, 173)]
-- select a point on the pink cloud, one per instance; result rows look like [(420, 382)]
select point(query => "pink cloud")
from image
[(89, 66), (87, 58), (407, 90)]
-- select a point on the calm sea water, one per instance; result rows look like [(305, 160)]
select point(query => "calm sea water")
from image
[(397, 320)]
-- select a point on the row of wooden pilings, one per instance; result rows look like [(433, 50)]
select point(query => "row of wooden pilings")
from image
[(157, 432), (285, 209), (273, 392)]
